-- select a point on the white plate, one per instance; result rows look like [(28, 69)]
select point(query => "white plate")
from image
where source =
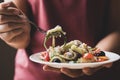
[(112, 58)]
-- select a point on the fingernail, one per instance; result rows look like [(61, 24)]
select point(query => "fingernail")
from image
[(22, 16), (44, 68)]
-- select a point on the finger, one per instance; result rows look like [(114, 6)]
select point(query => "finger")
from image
[(10, 11), (13, 18), (4, 5), (90, 71), (48, 68), (108, 65), (9, 36), (10, 26), (7, 4), (72, 73)]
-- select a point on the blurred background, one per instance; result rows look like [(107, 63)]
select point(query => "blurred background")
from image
[(7, 55)]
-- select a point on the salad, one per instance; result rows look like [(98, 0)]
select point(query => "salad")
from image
[(74, 51)]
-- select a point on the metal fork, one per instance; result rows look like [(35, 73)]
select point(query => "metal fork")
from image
[(38, 28), (32, 23)]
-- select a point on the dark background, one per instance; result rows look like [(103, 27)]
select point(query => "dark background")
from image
[(6, 61)]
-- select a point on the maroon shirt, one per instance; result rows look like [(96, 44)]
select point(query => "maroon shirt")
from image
[(85, 20)]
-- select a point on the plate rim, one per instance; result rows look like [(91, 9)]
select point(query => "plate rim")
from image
[(75, 64)]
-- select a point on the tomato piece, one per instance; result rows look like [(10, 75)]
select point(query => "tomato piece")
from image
[(88, 56), (45, 56)]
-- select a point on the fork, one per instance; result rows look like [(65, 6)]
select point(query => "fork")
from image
[(32, 23), (38, 28)]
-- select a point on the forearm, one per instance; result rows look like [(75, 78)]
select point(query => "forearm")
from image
[(110, 42)]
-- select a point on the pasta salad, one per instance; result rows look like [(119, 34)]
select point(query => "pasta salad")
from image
[(74, 51)]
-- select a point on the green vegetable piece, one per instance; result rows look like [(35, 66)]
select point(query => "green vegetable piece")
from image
[(68, 45), (77, 49), (54, 33)]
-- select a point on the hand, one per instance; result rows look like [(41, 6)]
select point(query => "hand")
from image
[(14, 28), (74, 73)]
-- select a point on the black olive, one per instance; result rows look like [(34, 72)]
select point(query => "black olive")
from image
[(79, 55), (100, 54), (56, 60)]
